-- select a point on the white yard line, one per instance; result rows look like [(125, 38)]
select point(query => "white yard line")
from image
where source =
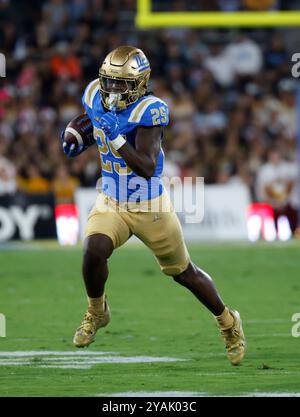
[(268, 321), (272, 394), (74, 360), (54, 353), (266, 335), (65, 366)]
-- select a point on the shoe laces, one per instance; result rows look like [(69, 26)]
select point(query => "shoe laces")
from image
[(232, 337), (87, 324)]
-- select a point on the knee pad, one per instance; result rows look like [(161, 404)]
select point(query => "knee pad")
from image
[(174, 270)]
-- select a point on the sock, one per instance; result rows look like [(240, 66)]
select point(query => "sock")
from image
[(225, 320), (96, 305)]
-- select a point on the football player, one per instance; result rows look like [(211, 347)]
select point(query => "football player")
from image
[(128, 128)]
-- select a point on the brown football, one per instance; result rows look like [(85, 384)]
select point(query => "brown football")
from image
[(80, 131)]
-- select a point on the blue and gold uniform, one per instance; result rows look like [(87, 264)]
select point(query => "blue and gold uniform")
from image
[(118, 180), (129, 204), (120, 108)]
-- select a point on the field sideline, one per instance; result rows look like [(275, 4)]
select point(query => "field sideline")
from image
[(160, 338)]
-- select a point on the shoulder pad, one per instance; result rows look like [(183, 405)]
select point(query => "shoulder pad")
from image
[(151, 111), (89, 94)]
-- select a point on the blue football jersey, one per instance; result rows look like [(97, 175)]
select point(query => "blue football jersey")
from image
[(118, 180)]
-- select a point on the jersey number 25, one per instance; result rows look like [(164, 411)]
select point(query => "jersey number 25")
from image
[(159, 116)]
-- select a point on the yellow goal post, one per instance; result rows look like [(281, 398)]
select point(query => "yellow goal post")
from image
[(147, 19)]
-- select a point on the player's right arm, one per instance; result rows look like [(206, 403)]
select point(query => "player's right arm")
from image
[(143, 158)]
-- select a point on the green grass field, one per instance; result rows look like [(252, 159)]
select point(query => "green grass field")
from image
[(43, 299)]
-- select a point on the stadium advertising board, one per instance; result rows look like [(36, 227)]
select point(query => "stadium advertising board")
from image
[(225, 209), (27, 217)]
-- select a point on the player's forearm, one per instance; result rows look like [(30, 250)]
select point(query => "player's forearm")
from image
[(143, 165)]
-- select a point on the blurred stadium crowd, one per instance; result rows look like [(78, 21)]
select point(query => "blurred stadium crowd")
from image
[(230, 93)]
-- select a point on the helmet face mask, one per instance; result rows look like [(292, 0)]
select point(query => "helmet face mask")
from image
[(125, 72), (115, 85)]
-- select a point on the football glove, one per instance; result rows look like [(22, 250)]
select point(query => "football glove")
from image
[(110, 124), (70, 149)]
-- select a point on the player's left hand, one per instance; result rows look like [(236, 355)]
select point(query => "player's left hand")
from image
[(70, 149), (110, 124)]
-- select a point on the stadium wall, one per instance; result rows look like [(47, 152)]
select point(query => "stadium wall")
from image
[(224, 211)]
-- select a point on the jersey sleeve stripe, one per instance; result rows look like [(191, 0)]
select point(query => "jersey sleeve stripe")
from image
[(137, 113), (90, 93)]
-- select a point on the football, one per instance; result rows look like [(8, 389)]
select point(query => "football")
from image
[(79, 131)]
